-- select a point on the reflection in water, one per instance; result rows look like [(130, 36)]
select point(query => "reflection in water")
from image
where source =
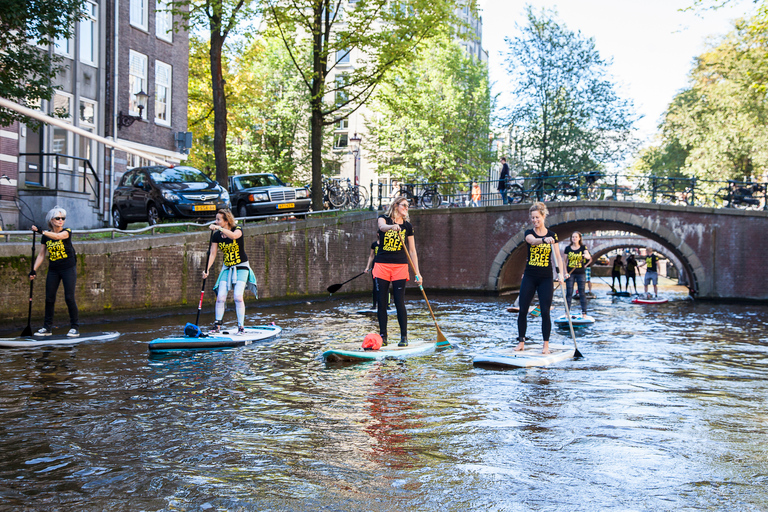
[(662, 413)]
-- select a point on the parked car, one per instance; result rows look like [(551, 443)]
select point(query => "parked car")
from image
[(264, 194), (149, 194)]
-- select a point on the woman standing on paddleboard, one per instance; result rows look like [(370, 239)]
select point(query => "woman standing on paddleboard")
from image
[(391, 265), (616, 271), (577, 256), (236, 273), (631, 271), (62, 268), (538, 274)]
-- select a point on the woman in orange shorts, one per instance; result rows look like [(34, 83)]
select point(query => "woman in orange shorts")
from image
[(391, 265)]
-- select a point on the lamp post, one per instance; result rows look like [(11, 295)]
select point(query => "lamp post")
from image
[(126, 120), (355, 141)]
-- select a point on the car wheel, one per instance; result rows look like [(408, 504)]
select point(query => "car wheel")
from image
[(241, 210), (117, 219), (153, 216)]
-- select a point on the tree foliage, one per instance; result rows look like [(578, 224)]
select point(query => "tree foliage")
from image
[(380, 33), (433, 117), (567, 116), (721, 118), (27, 70)]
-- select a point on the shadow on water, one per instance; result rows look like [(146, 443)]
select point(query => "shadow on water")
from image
[(661, 414)]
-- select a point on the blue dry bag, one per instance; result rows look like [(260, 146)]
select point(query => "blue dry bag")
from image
[(192, 331)]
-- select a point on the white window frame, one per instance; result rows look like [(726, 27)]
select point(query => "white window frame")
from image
[(65, 163), (90, 16), (137, 80), (159, 65), (139, 14), (163, 20), (64, 51)]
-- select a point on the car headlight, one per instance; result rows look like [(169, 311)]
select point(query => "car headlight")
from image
[(224, 196), (258, 197), (302, 193), (170, 196)]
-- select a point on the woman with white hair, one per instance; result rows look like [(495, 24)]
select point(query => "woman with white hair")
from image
[(62, 267)]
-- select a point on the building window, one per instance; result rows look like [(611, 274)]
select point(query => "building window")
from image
[(62, 139), (341, 141), (89, 34), (63, 46), (164, 20), (342, 56), (343, 124), (163, 74), (87, 122), (137, 79), (341, 93), (139, 16)]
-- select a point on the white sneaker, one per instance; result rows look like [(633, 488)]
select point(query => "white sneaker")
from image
[(43, 332), (73, 333)]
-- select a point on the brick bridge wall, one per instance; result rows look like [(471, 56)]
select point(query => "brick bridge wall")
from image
[(478, 249)]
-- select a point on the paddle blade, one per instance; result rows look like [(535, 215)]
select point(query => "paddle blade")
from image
[(27, 331), (441, 340), (577, 354), (334, 288)]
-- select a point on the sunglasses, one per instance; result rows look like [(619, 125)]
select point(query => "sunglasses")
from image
[(59, 218)]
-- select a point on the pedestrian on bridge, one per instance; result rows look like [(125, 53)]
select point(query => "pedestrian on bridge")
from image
[(537, 278), (476, 193), (503, 181)]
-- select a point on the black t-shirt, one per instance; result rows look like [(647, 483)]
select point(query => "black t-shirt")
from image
[(650, 263), (575, 259), (539, 256), (391, 249), (375, 248), (61, 253), (631, 266), (233, 250)]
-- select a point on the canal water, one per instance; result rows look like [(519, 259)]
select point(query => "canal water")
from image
[(666, 411)]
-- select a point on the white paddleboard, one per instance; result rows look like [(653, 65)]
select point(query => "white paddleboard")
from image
[(649, 301), (354, 352), (576, 320), (224, 339), (530, 357), (374, 311), (56, 339)]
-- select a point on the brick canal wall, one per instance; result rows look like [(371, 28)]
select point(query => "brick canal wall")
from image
[(290, 259)]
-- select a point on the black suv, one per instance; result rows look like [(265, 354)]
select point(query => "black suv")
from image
[(150, 194), (265, 194)]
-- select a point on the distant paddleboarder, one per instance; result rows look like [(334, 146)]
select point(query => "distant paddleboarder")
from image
[(537, 277), (391, 265), (631, 271), (62, 268), (616, 270), (651, 272), (236, 273), (577, 257)]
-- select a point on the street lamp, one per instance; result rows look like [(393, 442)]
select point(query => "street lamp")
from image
[(355, 140), (126, 120)]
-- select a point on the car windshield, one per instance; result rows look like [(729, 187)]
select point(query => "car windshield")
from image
[(260, 180), (179, 175)]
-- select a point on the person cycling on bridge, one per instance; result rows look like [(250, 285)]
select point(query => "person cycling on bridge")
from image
[(537, 277)]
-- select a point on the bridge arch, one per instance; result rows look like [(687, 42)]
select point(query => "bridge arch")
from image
[(508, 265)]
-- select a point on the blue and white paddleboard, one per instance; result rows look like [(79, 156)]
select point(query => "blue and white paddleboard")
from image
[(56, 339), (530, 357), (354, 352), (224, 339), (654, 300), (576, 320), (374, 311)]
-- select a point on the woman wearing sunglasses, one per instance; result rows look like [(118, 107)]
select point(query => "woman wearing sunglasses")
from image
[(62, 267)]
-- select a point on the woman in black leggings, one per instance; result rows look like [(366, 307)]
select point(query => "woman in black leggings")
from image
[(538, 274)]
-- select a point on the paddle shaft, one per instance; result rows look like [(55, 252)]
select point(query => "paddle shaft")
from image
[(440, 337), (28, 329), (202, 290), (335, 287), (576, 352)]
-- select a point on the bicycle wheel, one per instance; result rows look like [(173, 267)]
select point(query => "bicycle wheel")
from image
[(721, 199), (362, 196), (548, 192), (567, 192), (516, 194), (431, 200), (665, 194), (337, 197)]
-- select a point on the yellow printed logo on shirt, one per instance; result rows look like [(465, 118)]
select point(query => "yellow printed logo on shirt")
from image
[(540, 255), (393, 241), (56, 250)]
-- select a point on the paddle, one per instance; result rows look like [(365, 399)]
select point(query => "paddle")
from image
[(28, 329), (441, 340), (202, 290), (576, 352), (335, 287)]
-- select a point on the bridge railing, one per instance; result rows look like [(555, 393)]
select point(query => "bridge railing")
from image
[(583, 187)]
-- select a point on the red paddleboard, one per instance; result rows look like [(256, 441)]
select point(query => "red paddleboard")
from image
[(649, 301)]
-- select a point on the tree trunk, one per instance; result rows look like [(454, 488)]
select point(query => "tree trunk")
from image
[(316, 107), (219, 108)]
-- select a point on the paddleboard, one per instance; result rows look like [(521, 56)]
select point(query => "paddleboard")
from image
[(374, 311), (354, 352), (531, 309), (576, 320), (56, 339), (587, 295), (639, 300), (530, 357), (620, 294), (224, 339)]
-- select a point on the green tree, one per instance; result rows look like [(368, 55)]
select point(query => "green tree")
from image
[(382, 33), (567, 113), (433, 117), (27, 69)]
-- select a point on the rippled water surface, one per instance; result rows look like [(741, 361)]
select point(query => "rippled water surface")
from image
[(667, 411)]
